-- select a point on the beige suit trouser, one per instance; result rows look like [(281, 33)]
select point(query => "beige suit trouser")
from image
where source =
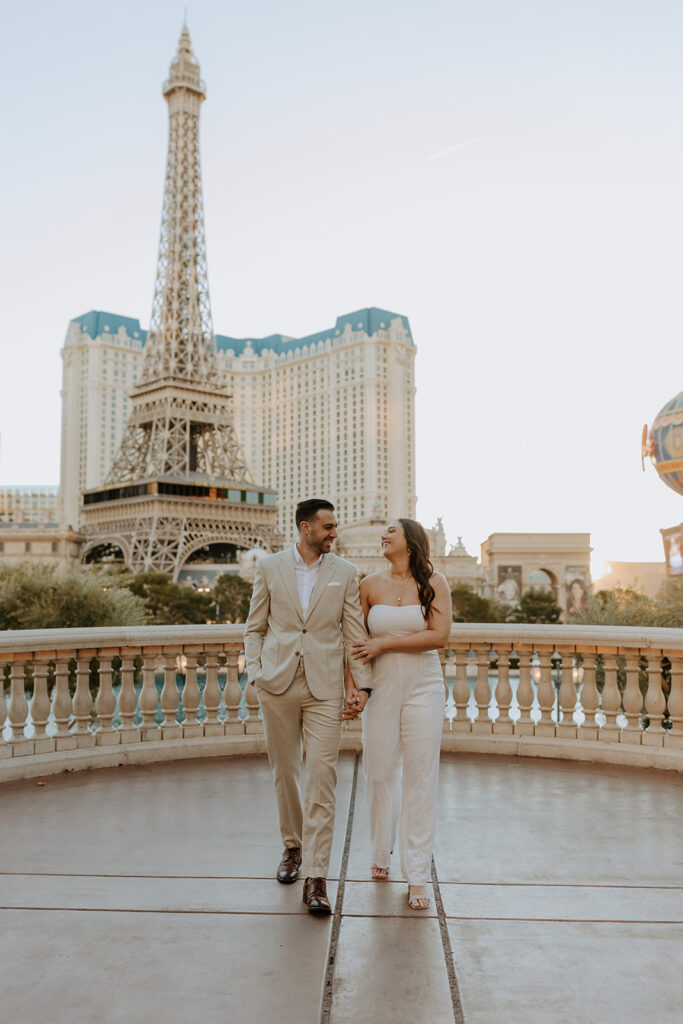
[(295, 722)]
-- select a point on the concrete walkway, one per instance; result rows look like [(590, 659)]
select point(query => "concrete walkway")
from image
[(145, 895)]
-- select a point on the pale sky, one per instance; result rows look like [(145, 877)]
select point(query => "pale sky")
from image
[(507, 175)]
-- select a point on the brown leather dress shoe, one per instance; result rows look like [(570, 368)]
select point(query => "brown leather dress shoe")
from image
[(315, 896), (288, 868)]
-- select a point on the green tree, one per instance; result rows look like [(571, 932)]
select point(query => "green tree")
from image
[(169, 604), (536, 605), (626, 606), (61, 597), (469, 606), (232, 595), (670, 604)]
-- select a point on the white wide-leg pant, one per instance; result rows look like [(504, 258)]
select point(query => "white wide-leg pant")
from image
[(402, 726)]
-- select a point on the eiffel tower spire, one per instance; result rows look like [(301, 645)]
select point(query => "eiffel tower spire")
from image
[(181, 344), (180, 439), (168, 432)]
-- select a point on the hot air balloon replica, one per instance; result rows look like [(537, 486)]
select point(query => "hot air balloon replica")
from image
[(663, 444)]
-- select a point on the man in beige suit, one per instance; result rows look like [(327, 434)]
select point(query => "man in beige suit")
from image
[(305, 612)]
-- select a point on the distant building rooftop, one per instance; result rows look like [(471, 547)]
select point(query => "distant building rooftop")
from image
[(29, 489), (369, 320), (96, 323), (28, 504)]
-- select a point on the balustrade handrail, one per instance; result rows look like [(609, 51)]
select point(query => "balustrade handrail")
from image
[(27, 640), (655, 638), (75, 698), (39, 640)]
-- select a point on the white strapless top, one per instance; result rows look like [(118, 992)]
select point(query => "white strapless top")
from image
[(395, 620), (404, 669)]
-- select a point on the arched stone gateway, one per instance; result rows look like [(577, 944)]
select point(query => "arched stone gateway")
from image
[(544, 579)]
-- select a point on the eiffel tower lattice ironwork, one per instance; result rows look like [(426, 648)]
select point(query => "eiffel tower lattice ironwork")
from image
[(179, 482)]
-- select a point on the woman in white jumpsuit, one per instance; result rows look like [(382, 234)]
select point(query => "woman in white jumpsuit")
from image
[(408, 615)]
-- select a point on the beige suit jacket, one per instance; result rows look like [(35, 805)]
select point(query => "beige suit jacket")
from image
[(278, 634)]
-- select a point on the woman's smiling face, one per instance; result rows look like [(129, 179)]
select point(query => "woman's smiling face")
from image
[(394, 539)]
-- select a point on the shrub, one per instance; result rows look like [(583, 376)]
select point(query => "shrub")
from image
[(61, 597)]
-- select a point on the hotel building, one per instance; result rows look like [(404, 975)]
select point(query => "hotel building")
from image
[(330, 414)]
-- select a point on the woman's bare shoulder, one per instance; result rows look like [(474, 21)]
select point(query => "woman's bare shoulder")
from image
[(369, 582), (437, 579)]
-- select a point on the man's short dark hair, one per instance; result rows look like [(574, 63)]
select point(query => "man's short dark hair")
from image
[(305, 510)]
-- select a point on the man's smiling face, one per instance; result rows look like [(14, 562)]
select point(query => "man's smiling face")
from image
[(321, 531)]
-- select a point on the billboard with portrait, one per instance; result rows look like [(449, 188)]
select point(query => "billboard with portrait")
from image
[(509, 589), (576, 582)]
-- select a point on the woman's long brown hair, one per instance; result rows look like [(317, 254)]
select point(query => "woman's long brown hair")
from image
[(420, 565)]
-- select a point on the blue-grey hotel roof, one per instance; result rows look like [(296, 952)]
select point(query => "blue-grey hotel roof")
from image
[(369, 320)]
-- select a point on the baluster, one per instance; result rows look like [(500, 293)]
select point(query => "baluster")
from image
[(212, 696), (674, 735), (82, 701), (17, 711), (566, 729), (40, 707), (503, 723), (633, 699), (105, 702), (461, 692), (149, 698), (233, 694), (546, 693), (482, 691), (191, 695), (590, 698), (253, 723), (3, 702), (524, 726), (61, 704), (128, 698), (5, 748), (170, 728), (446, 727), (611, 698), (655, 702)]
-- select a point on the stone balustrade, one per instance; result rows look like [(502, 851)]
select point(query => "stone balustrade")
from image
[(77, 698)]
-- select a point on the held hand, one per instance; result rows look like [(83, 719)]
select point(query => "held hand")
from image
[(351, 704), (366, 650), (354, 704)]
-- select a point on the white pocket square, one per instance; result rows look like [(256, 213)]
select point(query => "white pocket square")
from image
[(334, 583)]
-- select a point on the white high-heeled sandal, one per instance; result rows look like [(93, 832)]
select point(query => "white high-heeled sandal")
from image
[(420, 902)]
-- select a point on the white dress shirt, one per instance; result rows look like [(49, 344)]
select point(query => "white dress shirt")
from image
[(306, 576)]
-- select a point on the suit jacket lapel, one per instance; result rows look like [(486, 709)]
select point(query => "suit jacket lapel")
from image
[(286, 567), (325, 574)]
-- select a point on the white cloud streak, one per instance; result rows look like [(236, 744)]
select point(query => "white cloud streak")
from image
[(454, 149)]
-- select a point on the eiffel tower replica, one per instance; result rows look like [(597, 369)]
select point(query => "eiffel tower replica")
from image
[(179, 482)]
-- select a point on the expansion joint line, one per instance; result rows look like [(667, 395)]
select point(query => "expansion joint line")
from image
[(458, 1015), (326, 1008)]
